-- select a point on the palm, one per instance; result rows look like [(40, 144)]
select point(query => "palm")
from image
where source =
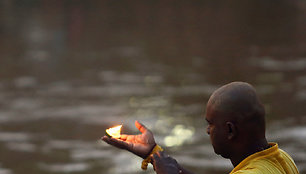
[(140, 145)]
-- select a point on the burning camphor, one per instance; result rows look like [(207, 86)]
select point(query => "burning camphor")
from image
[(114, 132)]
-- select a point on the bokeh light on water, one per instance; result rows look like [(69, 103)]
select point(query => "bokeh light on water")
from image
[(70, 69)]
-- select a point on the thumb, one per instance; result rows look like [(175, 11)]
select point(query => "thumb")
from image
[(140, 127)]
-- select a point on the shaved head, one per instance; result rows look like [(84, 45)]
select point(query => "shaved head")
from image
[(236, 121), (239, 103)]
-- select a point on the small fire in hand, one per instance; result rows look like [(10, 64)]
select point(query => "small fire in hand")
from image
[(114, 132)]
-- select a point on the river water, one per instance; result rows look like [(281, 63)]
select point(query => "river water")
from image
[(71, 69)]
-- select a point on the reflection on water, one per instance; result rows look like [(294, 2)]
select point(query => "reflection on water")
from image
[(178, 136), (71, 69)]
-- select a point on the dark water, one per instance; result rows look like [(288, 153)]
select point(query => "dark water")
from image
[(71, 69)]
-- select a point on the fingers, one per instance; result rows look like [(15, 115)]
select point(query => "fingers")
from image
[(156, 159), (161, 155), (140, 127), (158, 155), (107, 139), (124, 137), (164, 155), (117, 143)]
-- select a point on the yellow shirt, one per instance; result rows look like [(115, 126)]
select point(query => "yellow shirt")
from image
[(270, 161)]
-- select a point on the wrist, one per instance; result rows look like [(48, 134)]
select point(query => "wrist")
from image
[(150, 151), (148, 159)]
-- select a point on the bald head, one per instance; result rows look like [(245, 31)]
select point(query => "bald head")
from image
[(238, 102), (236, 121)]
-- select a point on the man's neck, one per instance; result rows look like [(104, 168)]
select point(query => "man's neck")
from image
[(250, 149)]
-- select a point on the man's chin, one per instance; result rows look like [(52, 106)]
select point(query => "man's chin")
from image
[(222, 154), (225, 156), (218, 153)]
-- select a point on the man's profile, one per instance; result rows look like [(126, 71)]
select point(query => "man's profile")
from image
[(236, 126)]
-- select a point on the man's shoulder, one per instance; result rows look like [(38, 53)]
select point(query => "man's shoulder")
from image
[(286, 156), (272, 160), (291, 166)]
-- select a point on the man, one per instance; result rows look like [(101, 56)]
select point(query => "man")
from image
[(236, 126)]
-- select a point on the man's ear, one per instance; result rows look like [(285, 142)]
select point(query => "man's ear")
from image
[(231, 130)]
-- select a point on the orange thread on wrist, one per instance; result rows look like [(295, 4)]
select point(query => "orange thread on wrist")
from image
[(145, 162)]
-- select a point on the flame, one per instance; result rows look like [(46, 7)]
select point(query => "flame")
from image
[(114, 131)]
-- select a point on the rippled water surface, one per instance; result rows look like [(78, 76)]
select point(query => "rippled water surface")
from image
[(71, 69)]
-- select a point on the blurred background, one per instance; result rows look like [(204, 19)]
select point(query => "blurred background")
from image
[(69, 69)]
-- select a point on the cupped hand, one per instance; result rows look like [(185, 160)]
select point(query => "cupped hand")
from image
[(141, 145)]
